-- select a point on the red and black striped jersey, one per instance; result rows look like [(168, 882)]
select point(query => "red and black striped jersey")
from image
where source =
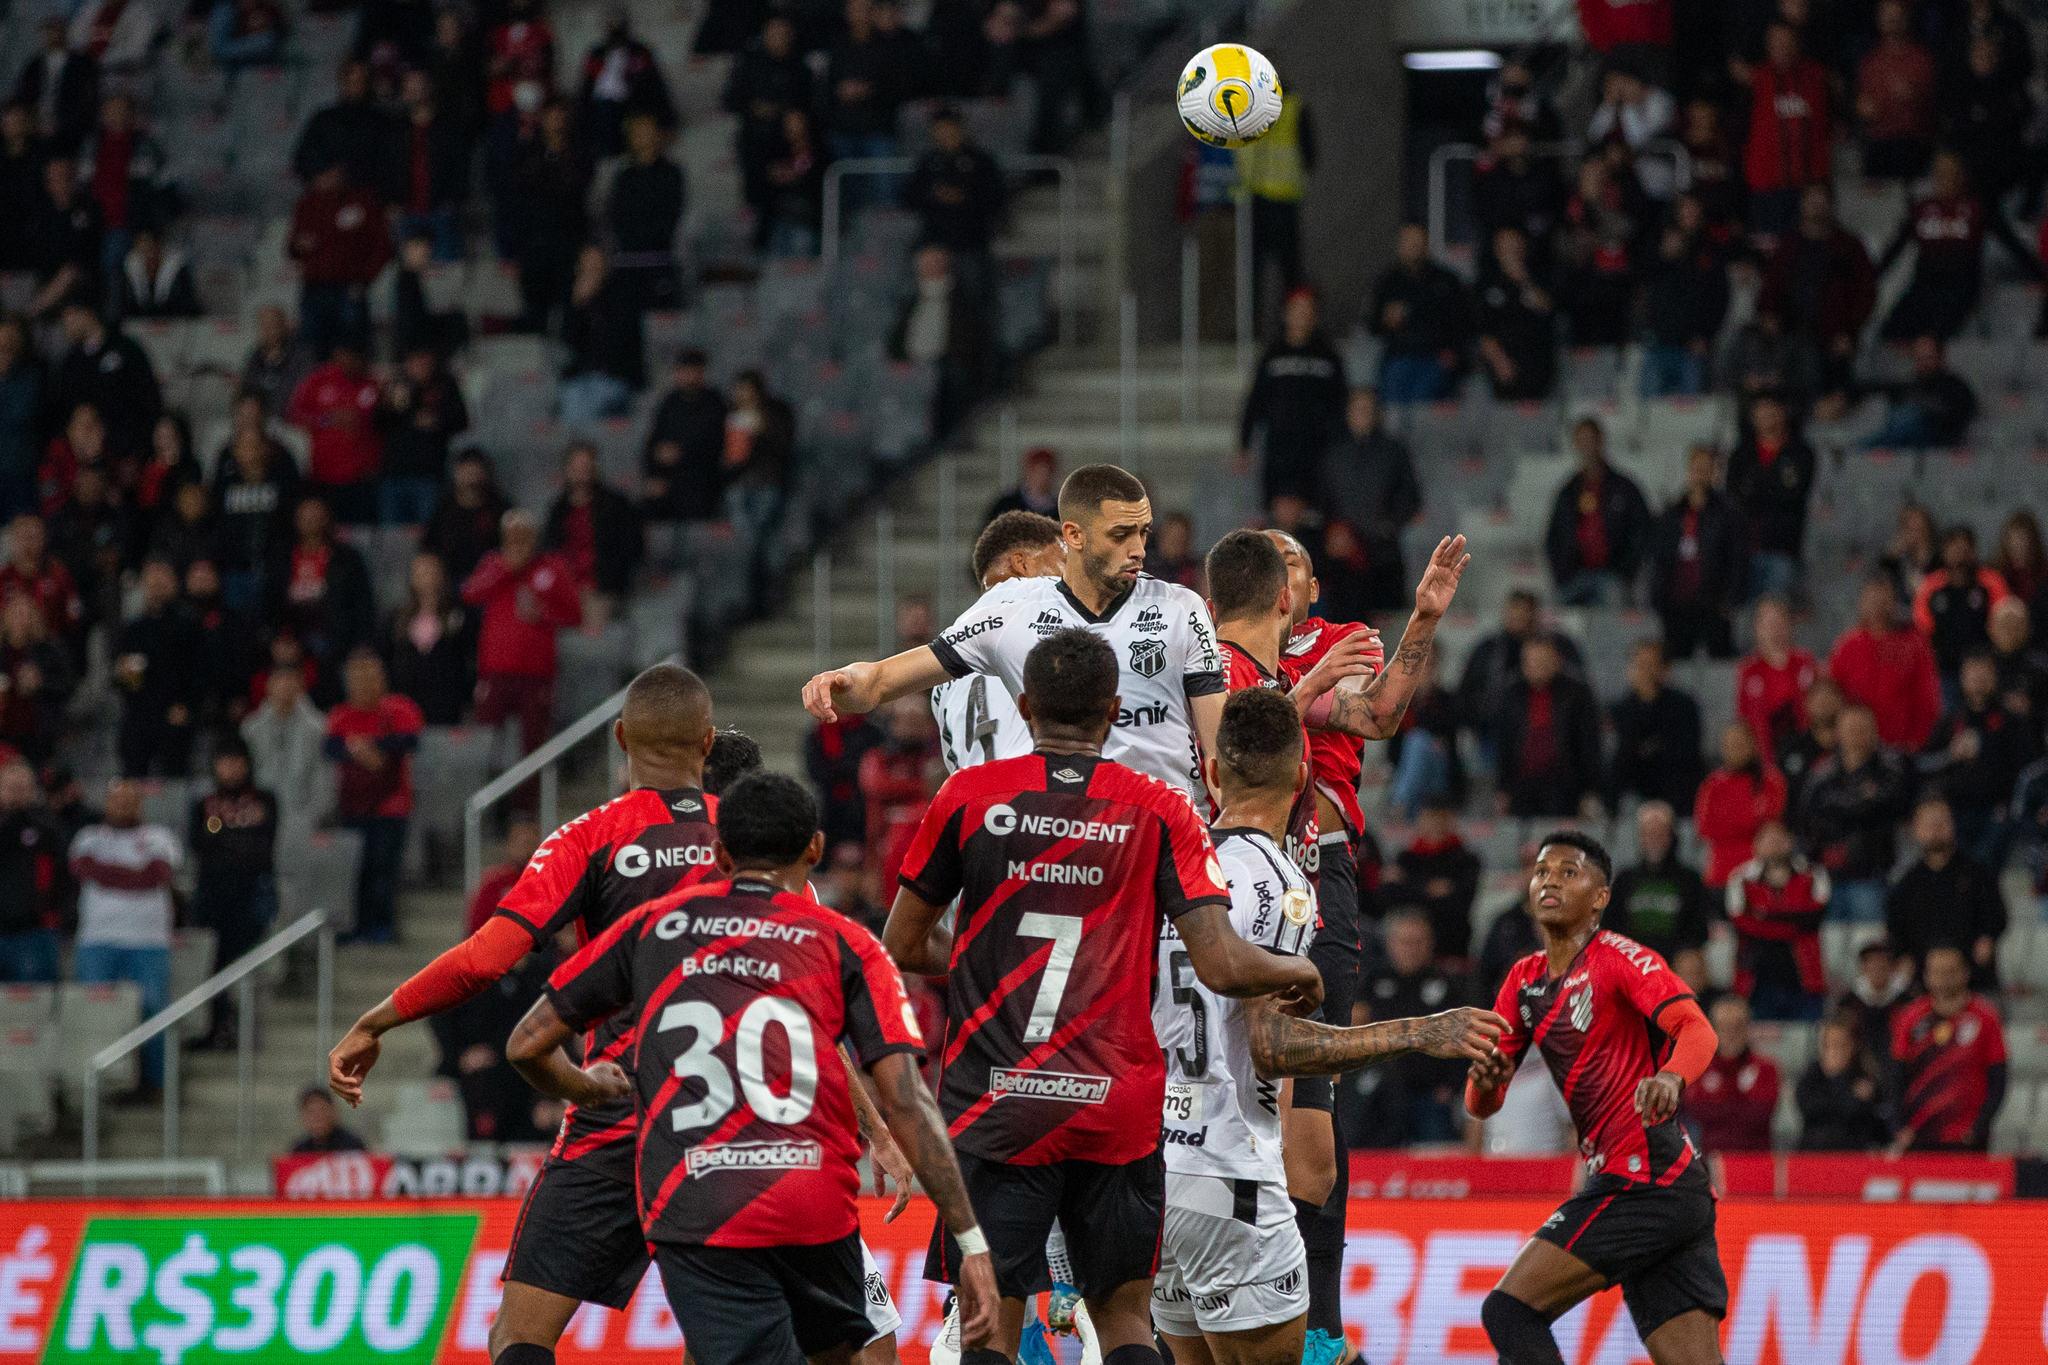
[(1241, 673), (1066, 867), (1597, 1028), (1335, 758), (587, 876), (744, 992)]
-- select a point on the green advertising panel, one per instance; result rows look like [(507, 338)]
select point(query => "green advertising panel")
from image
[(206, 1291)]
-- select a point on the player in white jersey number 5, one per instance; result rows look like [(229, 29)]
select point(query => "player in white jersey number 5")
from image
[(978, 719), (1232, 1286), (1170, 673)]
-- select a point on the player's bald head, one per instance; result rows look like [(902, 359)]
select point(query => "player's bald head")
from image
[(1258, 741), (667, 714)]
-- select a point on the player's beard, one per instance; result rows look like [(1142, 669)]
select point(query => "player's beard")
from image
[(1101, 571)]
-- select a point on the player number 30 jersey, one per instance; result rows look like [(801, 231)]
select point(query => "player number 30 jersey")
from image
[(1220, 1118)]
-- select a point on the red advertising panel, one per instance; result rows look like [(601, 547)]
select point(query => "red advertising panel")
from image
[(191, 1283)]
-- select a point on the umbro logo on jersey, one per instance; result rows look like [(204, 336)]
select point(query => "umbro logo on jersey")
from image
[(1152, 621), (1148, 658), (689, 805), (1065, 775), (634, 860), (1047, 623)]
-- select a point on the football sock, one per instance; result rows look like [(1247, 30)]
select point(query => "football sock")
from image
[(1135, 1354), (1518, 1332), (525, 1353)]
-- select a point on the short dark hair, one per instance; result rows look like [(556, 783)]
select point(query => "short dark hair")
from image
[(1008, 533), (767, 820), (1246, 572), (1259, 737), (1070, 677), (1090, 486), (1595, 851), (1876, 945), (667, 707), (1962, 531), (733, 755)]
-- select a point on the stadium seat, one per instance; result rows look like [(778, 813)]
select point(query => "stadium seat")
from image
[(2028, 1046), (425, 1119), (2013, 1132), (89, 1018), (26, 1004), (28, 1079), (452, 762), (1592, 373), (191, 964), (322, 874)]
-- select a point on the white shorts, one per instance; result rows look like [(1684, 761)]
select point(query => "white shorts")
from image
[(1230, 1259), (882, 1314)]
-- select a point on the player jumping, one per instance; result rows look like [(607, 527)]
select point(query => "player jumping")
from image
[(1623, 1037), (746, 1166), (1066, 863), (977, 718), (1231, 1285)]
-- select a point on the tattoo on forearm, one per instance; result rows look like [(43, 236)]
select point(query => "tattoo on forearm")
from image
[(1283, 1045), (1375, 712)]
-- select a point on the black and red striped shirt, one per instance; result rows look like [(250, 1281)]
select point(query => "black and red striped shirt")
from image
[(587, 876), (745, 991), (1241, 673), (1066, 867)]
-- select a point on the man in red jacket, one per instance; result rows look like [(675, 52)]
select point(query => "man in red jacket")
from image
[(1888, 666), (34, 572), (1732, 1103), (525, 596), (341, 242), (371, 736), (1775, 904), (337, 405), (1788, 131), (1617, 25)]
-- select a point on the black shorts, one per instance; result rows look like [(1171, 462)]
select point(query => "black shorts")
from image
[(1112, 1217), (766, 1305), (579, 1236), (1657, 1243)]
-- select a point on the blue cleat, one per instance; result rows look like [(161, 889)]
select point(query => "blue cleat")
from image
[(1320, 1348), (1033, 1348)]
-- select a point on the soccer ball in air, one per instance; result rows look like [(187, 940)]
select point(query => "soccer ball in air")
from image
[(1229, 95)]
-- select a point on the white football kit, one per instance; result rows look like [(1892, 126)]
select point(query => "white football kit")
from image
[(1231, 1258), (1165, 649), (978, 722)]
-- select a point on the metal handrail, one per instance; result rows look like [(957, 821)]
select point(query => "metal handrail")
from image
[(1068, 287), (1441, 158), (19, 1178), (237, 975), (545, 761)]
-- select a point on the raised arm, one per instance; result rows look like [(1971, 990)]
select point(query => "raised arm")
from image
[(913, 1118), (1229, 966), (915, 936), (1376, 711), (1286, 1046), (861, 687)]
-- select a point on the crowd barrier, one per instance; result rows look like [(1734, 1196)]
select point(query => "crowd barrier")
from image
[(413, 1282)]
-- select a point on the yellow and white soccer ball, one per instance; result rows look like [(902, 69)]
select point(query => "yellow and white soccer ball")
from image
[(1229, 95)]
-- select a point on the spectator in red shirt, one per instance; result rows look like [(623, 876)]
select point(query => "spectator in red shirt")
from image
[(1736, 801), (522, 837), (596, 528), (32, 570), (1614, 27), (1789, 134), (1546, 732), (526, 596), (1776, 902), (1732, 1103), (1895, 98), (320, 595), (519, 51), (371, 736), (1949, 1048), (340, 406), (341, 242), (897, 779), (1888, 667), (1771, 681)]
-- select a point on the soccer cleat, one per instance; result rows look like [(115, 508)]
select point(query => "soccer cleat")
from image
[(1320, 1348), (1033, 1348), (1060, 1306), (946, 1350)]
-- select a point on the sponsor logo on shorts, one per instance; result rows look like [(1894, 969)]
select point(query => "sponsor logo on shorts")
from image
[(1288, 1285), (1047, 1085), (1177, 1294), (1213, 1303), (755, 1156)]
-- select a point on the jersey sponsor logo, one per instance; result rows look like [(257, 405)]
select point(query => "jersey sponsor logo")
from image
[(1068, 1086), (1004, 819), (972, 629), (1047, 623), (1181, 1137), (1130, 716), (1148, 658), (1264, 917), (772, 1155), (1152, 621), (1204, 639), (633, 860), (679, 922), (1055, 874)]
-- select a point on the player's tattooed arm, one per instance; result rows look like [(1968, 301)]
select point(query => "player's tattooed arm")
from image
[(1286, 1046), (1375, 711), (888, 1158), (916, 936), (535, 1051)]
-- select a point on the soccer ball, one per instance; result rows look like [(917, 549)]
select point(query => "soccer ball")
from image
[(1229, 95)]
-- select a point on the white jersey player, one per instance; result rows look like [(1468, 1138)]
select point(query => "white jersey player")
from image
[(978, 720), (1232, 1280), (1172, 673)]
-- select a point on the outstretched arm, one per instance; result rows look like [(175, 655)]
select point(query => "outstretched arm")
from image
[(1285, 1046), (913, 1117), (862, 687), (1375, 712), (1228, 965)]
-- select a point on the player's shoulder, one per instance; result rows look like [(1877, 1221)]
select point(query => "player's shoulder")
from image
[(1012, 591), (1114, 781), (1314, 636), (1619, 952), (1527, 970), (997, 777), (1166, 596)]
